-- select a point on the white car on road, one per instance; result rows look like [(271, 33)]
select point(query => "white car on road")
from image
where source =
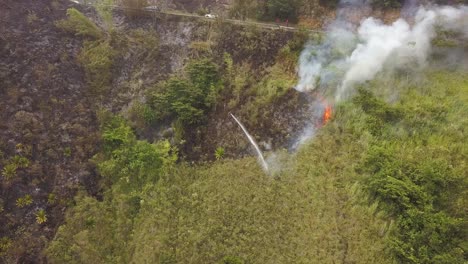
[(152, 8), (211, 16)]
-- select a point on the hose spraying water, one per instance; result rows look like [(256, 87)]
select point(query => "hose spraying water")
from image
[(261, 159)]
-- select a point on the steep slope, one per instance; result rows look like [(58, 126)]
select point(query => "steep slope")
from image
[(50, 129), (47, 118)]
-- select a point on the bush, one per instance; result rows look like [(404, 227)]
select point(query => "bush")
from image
[(24, 201), (97, 58), (188, 98), (131, 163), (219, 153), (283, 9), (412, 176), (79, 24), (41, 216), (9, 171)]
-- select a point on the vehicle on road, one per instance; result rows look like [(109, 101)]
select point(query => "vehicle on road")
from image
[(211, 16), (151, 8)]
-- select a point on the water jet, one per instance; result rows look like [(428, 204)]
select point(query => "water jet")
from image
[(261, 159)]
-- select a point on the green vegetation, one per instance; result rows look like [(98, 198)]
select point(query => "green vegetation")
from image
[(41, 216), (104, 9), (13, 164), (188, 98), (416, 169), (51, 198), (97, 54), (269, 10), (97, 59), (130, 166), (129, 162), (9, 171), (283, 9), (219, 153), (381, 183), (5, 244), (80, 25), (24, 201)]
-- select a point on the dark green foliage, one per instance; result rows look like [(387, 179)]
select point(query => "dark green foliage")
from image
[(79, 24), (379, 114), (283, 9), (143, 114), (188, 98), (100, 231), (411, 175), (131, 163), (358, 193), (116, 133), (427, 236)]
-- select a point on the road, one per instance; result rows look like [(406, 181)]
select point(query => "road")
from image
[(270, 26)]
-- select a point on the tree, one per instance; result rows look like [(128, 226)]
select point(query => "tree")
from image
[(188, 98), (131, 163), (283, 9)]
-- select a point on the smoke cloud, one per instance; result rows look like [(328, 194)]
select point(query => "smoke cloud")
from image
[(352, 54)]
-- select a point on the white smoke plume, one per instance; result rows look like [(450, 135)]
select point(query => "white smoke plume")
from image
[(350, 55)]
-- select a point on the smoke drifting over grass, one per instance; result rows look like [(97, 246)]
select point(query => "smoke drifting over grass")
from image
[(352, 54)]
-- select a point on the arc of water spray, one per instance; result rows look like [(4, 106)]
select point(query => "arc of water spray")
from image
[(261, 159)]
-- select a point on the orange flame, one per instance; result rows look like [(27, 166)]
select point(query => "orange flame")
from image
[(327, 114)]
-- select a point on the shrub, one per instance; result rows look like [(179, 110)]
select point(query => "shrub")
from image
[(219, 153), (283, 9), (20, 162), (5, 244), (9, 171), (97, 58), (131, 162), (41, 216), (79, 24), (24, 201), (188, 98)]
